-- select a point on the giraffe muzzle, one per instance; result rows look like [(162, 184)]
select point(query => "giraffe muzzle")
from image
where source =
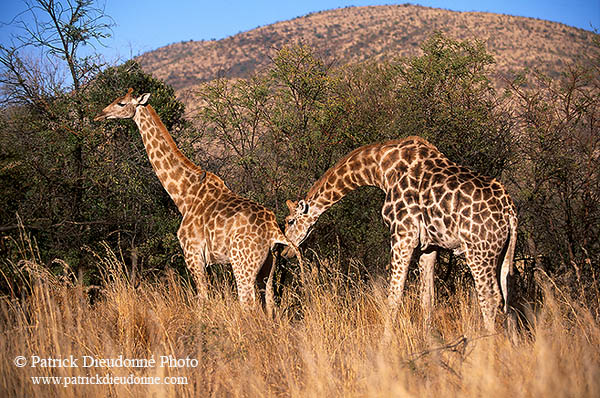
[(100, 117)]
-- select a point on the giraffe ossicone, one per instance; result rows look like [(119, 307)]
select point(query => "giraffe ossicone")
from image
[(218, 226), (430, 203)]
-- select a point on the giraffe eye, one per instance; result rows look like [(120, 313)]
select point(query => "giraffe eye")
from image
[(121, 104), (291, 222)]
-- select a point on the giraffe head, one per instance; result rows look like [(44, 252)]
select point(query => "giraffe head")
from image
[(298, 224), (123, 107)]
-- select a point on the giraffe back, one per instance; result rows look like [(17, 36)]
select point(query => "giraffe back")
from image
[(454, 206)]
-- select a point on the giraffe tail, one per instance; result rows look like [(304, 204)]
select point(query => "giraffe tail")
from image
[(507, 262)]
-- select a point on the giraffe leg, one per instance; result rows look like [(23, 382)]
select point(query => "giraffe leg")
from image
[(402, 250), (244, 280), (269, 294), (264, 281), (399, 268), (197, 267), (426, 266), (486, 284), (246, 261)]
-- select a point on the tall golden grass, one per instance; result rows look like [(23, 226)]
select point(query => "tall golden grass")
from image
[(326, 341)]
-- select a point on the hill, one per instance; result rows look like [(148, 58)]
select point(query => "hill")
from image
[(357, 33)]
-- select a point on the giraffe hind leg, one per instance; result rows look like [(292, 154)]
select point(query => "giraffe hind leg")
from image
[(264, 280), (488, 291), (245, 287), (246, 263), (269, 294)]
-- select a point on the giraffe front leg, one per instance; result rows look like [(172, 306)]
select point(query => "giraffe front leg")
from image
[(427, 266), (402, 251), (194, 253), (244, 278), (197, 267)]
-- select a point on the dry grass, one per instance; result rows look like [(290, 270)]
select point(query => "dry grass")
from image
[(325, 342)]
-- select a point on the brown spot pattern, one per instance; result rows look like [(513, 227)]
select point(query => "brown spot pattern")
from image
[(431, 202)]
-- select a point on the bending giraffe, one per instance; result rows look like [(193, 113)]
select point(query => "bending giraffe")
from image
[(430, 203), (218, 226)]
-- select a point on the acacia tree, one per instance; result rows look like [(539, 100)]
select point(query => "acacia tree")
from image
[(43, 76), (48, 43), (447, 96), (51, 35)]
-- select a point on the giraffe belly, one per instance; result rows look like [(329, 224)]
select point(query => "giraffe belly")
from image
[(203, 240), (439, 224), (437, 233), (218, 258), (452, 244), (216, 254)]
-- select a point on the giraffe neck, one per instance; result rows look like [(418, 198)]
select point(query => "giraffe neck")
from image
[(358, 168), (175, 171)]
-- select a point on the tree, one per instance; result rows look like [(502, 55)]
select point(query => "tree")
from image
[(57, 30), (49, 41), (446, 95), (558, 173), (306, 114), (73, 185)]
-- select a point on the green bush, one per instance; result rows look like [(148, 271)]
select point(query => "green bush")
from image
[(76, 183), (285, 127)]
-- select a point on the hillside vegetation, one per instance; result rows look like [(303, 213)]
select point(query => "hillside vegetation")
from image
[(354, 34)]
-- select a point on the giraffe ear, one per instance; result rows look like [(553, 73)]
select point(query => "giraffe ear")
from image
[(303, 207), (291, 206), (143, 99)]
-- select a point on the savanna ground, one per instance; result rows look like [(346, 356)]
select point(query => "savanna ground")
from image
[(326, 340)]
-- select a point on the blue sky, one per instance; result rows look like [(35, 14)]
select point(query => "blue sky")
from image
[(144, 25)]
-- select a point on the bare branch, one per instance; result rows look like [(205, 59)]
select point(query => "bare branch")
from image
[(55, 30)]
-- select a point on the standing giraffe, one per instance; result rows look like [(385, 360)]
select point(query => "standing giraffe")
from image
[(430, 202), (218, 226)]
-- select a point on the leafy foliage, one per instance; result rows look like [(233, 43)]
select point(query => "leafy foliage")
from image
[(447, 96), (121, 201), (309, 114), (558, 173)]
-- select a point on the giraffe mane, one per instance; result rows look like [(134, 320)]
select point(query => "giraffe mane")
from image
[(171, 142), (315, 187)]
